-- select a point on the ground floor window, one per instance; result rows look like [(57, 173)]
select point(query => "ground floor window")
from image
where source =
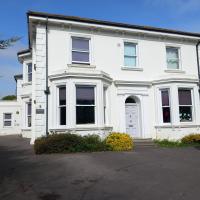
[(185, 105), (85, 104), (62, 105), (7, 119), (166, 113), (29, 114)]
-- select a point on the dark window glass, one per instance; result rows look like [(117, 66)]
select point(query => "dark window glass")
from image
[(184, 96), (185, 113), (80, 44), (165, 106), (62, 96), (166, 115), (130, 100), (80, 56), (29, 111), (85, 115), (29, 72), (85, 95), (29, 108), (7, 116), (85, 109), (7, 123), (62, 115)]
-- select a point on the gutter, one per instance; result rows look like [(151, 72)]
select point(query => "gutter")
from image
[(47, 92), (198, 63)]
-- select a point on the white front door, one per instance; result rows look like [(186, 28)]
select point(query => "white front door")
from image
[(132, 119)]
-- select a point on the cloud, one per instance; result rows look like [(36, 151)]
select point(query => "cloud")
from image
[(177, 6)]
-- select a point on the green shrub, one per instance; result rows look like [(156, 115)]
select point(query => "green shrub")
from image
[(167, 143), (119, 141), (64, 143), (191, 139)]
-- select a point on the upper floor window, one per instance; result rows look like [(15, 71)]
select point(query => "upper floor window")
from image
[(80, 50), (165, 106), (62, 105), (7, 119), (185, 105), (130, 54), (85, 104), (173, 60), (29, 72)]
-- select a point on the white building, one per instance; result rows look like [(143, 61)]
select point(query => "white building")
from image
[(89, 76)]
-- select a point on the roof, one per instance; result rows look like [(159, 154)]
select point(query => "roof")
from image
[(23, 52), (18, 76), (109, 23)]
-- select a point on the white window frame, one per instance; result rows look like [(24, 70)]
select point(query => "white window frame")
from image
[(94, 105), (179, 57), (72, 50), (192, 106), (7, 120), (137, 54), (105, 104), (170, 108), (60, 106)]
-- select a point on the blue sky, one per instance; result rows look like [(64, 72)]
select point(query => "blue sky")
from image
[(173, 14)]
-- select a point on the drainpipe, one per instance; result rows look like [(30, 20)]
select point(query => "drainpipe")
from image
[(198, 64), (47, 92)]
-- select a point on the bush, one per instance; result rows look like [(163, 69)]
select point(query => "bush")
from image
[(167, 143), (119, 142), (191, 139), (65, 143)]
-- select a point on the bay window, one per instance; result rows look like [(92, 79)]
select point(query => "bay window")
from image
[(7, 119), (130, 54), (105, 103), (80, 50), (166, 111), (185, 105), (85, 104), (173, 60), (62, 105)]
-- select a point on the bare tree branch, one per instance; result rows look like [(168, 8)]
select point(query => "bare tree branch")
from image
[(8, 42)]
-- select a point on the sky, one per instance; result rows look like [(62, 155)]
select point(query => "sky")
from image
[(173, 14)]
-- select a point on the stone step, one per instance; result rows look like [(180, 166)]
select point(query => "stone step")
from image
[(147, 142)]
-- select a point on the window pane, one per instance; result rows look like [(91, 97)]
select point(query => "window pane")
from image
[(62, 96), (85, 95), (29, 77), (185, 113), (165, 97), (130, 61), (7, 123), (80, 56), (80, 44), (129, 49), (7, 116), (172, 53), (29, 121), (166, 115), (173, 64), (184, 96), (85, 115), (63, 116), (29, 108), (29, 67)]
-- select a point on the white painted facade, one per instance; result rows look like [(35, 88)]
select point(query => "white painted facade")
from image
[(106, 70)]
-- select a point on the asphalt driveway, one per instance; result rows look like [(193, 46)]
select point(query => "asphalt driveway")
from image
[(149, 173)]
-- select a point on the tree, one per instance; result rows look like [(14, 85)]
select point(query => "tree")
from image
[(9, 97), (8, 42)]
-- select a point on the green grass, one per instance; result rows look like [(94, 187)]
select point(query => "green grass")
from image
[(171, 144)]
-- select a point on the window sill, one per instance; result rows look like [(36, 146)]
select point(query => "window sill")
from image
[(174, 71), (81, 66), (187, 125), (132, 68), (27, 83)]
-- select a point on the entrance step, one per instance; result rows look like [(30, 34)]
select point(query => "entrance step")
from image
[(147, 142)]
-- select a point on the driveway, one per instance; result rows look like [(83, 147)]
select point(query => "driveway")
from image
[(146, 173)]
